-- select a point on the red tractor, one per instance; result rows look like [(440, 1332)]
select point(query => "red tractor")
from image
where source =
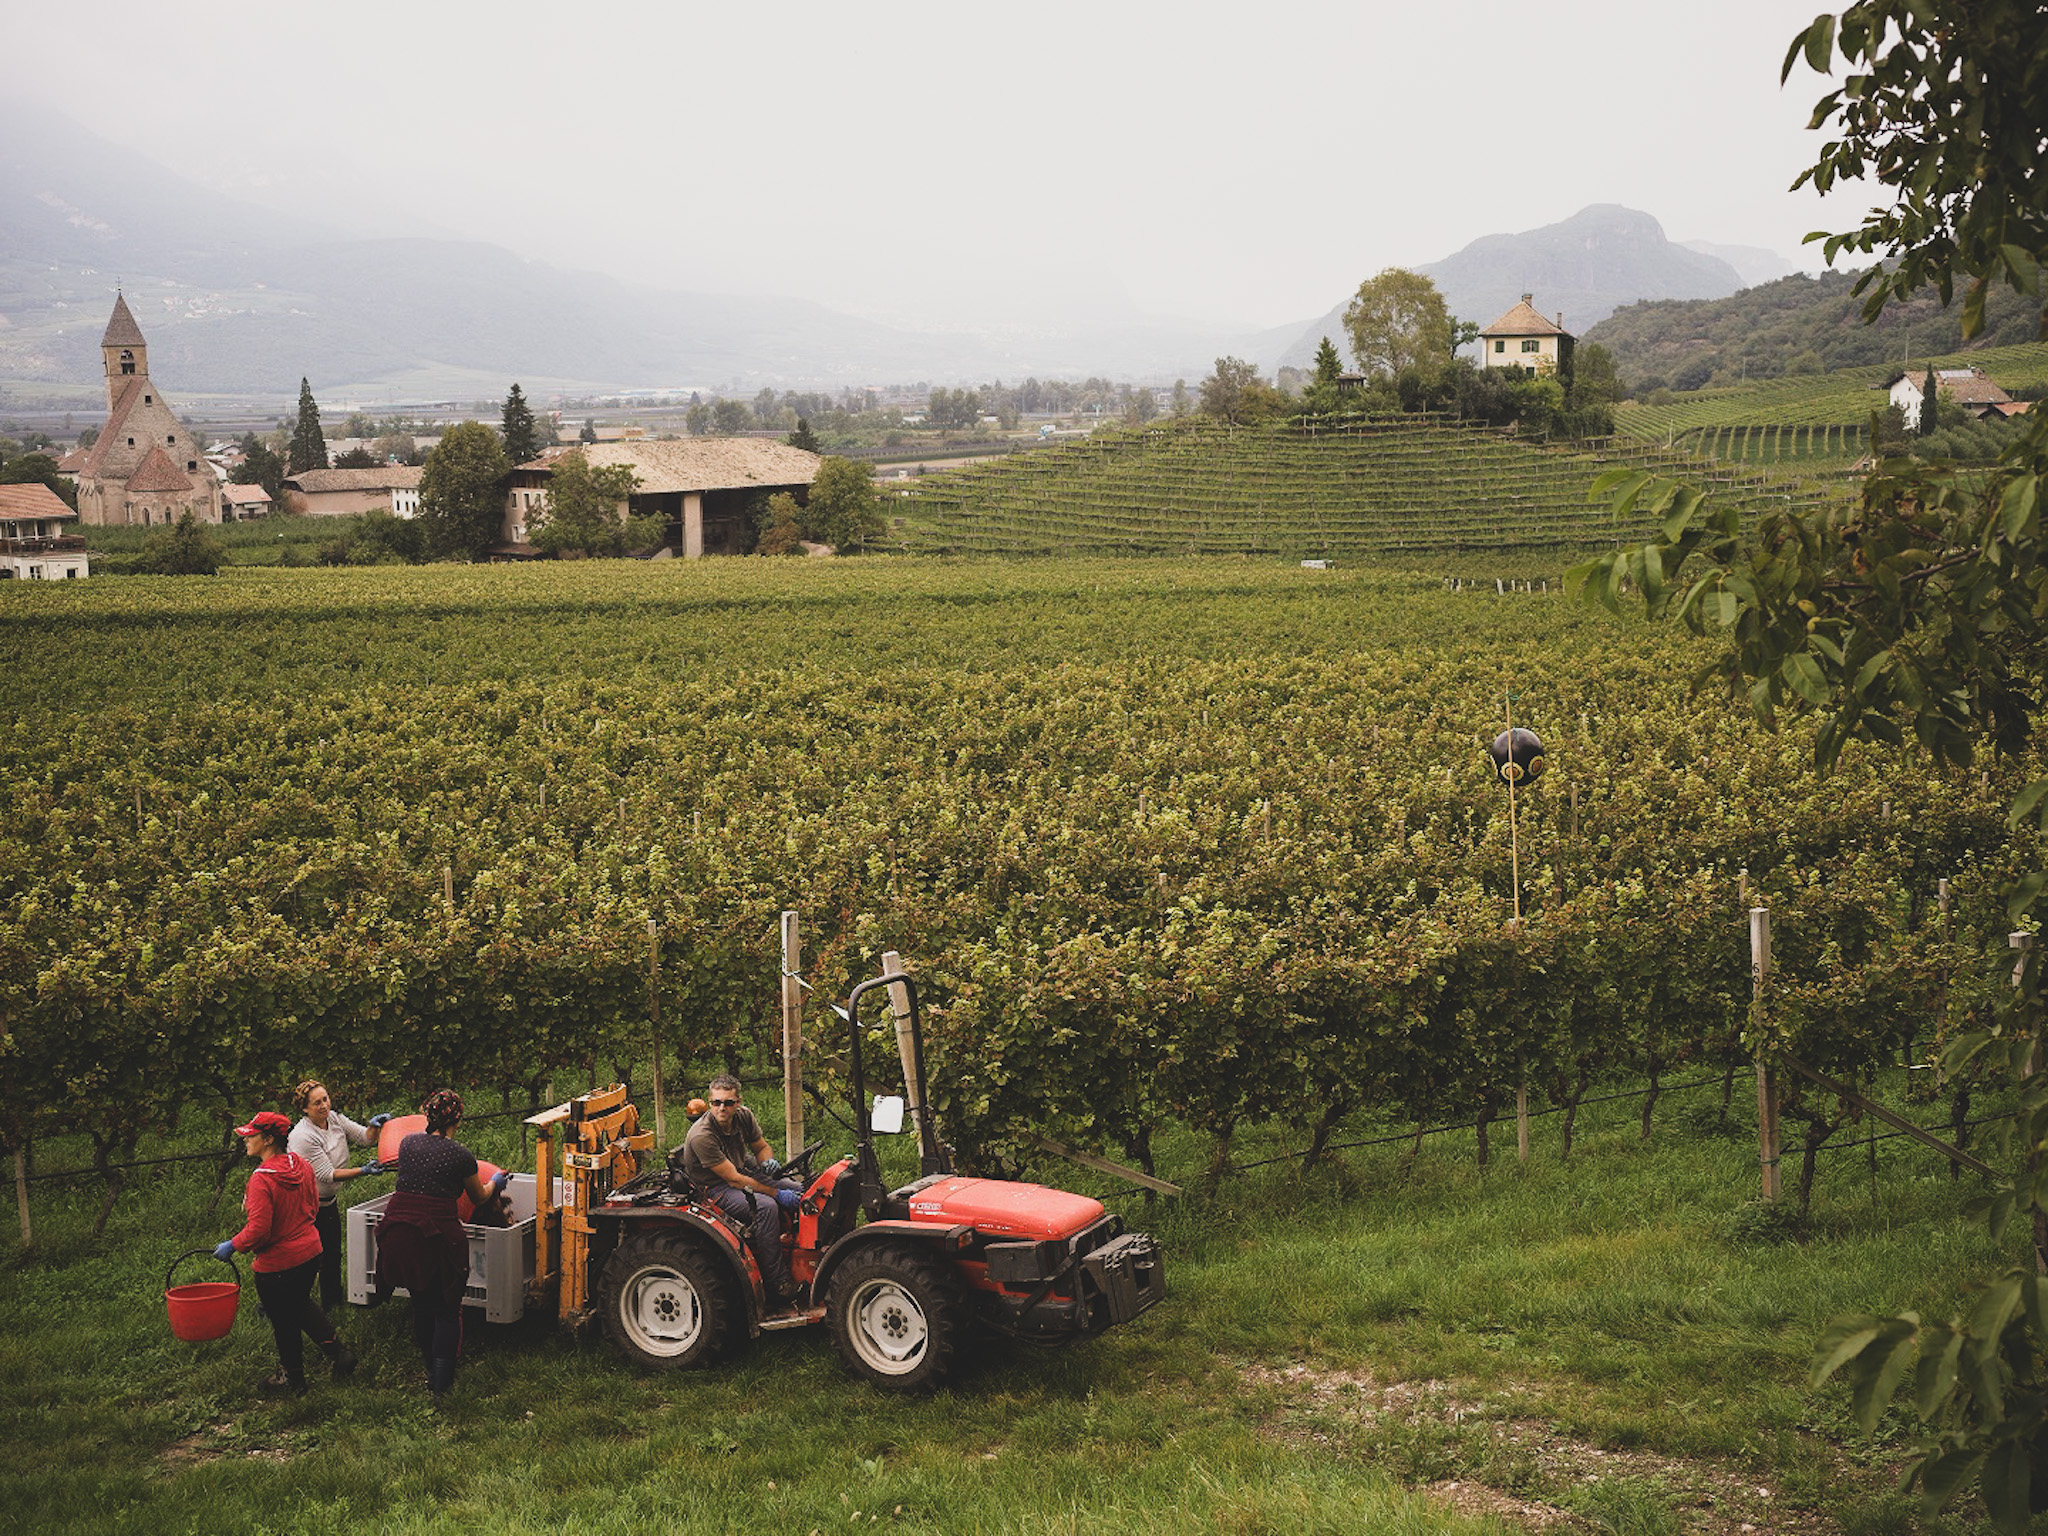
[(900, 1274)]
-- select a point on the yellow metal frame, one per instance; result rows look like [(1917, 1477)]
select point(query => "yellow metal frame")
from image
[(602, 1146)]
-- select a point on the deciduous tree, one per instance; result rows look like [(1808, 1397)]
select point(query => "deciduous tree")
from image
[(1398, 320), (1235, 393), (462, 491), (585, 507), (844, 509), (186, 548)]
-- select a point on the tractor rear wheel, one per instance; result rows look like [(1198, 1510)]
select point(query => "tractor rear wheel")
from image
[(665, 1303), (897, 1314)]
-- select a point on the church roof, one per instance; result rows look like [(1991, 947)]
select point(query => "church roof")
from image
[(122, 331), (699, 463), (117, 421), (158, 473), (1523, 320)]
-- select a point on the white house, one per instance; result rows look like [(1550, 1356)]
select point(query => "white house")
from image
[(1967, 387), (1522, 338), (34, 542)]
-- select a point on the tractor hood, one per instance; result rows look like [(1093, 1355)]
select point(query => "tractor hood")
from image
[(999, 1207)]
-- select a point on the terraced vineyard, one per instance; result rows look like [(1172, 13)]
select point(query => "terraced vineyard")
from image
[(1842, 401), (1406, 486)]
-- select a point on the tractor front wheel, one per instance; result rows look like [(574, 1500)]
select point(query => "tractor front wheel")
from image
[(664, 1301), (897, 1314)]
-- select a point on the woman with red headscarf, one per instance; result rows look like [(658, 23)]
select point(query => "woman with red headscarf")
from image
[(420, 1242)]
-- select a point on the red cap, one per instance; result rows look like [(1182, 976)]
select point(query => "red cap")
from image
[(269, 1123)]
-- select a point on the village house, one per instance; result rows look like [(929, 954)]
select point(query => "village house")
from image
[(1970, 388), (1522, 338), (35, 544), (702, 486), (145, 467), (339, 492), (239, 503)]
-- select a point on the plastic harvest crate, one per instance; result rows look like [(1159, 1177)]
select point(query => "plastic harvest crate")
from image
[(500, 1258)]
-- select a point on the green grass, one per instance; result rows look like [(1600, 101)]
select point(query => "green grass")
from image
[(1608, 1302)]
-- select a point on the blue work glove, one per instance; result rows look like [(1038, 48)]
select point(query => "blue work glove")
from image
[(788, 1199), (770, 1167), (498, 1183), (225, 1252), (374, 1166), (374, 1121)]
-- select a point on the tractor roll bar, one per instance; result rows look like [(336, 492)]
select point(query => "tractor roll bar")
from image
[(931, 1159)]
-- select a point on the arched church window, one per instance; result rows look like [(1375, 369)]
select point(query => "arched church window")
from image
[(127, 361)]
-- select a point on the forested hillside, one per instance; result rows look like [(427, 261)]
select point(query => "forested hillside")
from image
[(1797, 325)]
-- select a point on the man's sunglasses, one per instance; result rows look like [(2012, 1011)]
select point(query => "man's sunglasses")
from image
[(725, 1103)]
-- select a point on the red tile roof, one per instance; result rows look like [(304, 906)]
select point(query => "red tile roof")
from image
[(33, 500), (1523, 320), (158, 473)]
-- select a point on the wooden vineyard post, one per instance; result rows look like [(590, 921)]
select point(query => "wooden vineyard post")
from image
[(1766, 1080), (1522, 1119), (654, 1019), (448, 888), (2024, 941), (28, 1237), (792, 1037)]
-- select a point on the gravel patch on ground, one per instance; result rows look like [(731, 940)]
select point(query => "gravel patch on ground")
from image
[(1515, 1467)]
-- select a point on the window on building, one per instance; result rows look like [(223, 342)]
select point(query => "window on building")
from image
[(170, 437), (1532, 345), (127, 362), (191, 463), (1500, 346), (131, 442), (149, 399)]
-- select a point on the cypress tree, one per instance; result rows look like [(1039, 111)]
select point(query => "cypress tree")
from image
[(309, 444), (518, 428)]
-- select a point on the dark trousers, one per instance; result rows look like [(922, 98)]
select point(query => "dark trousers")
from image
[(327, 1222), (766, 1216), (287, 1297)]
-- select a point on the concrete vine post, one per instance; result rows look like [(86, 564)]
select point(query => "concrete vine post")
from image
[(792, 1036), (654, 1019)]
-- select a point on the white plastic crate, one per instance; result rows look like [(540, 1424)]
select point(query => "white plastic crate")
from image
[(500, 1258)]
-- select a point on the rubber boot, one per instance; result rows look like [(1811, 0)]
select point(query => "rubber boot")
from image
[(440, 1377), (343, 1359)]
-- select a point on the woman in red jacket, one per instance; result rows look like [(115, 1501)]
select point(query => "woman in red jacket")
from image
[(285, 1252)]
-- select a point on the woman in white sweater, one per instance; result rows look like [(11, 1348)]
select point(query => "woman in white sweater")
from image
[(322, 1137)]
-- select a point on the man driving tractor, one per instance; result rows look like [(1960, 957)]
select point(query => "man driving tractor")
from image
[(728, 1158)]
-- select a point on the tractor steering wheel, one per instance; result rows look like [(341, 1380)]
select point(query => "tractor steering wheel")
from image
[(799, 1167)]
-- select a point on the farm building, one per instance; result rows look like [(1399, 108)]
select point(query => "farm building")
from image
[(1971, 388), (339, 492), (1522, 338), (34, 543), (145, 467), (704, 486)]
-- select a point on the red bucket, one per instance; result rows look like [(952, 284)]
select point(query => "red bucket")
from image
[(464, 1206), (206, 1310), (394, 1131)]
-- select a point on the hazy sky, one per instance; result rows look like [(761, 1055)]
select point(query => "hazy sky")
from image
[(1236, 162)]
